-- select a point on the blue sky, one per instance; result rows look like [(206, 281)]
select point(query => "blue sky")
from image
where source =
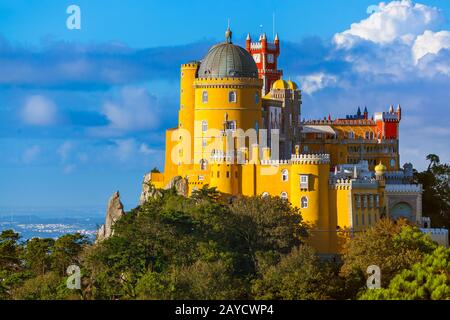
[(82, 112)]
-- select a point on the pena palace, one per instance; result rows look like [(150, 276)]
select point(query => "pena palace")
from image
[(343, 174)]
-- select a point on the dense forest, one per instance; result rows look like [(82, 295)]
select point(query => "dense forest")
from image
[(253, 248)]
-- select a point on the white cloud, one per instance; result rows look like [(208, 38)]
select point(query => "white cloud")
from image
[(316, 81), (31, 154), (135, 110), (39, 111), (396, 21), (430, 43)]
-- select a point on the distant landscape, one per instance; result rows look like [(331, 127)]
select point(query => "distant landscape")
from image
[(51, 222)]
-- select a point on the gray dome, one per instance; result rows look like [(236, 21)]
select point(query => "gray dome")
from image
[(228, 60)]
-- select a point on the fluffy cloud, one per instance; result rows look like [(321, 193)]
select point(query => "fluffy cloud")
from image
[(398, 20), (134, 110), (316, 81), (39, 111), (430, 43)]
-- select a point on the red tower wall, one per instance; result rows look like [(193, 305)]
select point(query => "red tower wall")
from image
[(262, 51)]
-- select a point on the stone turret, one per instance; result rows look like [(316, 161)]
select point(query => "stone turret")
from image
[(113, 214)]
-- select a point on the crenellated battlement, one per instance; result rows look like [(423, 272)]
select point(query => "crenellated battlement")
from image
[(404, 188)]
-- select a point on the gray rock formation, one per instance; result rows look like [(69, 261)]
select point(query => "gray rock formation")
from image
[(180, 184), (148, 191), (113, 214)]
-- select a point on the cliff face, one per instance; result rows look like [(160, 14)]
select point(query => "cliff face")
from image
[(113, 214)]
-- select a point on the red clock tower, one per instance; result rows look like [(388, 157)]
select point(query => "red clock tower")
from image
[(265, 55)]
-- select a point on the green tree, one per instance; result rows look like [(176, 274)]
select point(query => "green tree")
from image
[(298, 276), (426, 280), (265, 226), (10, 251), (66, 251), (436, 192), (49, 286), (38, 255), (390, 245)]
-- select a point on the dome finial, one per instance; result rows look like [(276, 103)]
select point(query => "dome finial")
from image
[(228, 33)]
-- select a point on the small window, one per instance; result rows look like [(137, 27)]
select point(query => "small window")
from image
[(231, 125), (392, 163), (377, 201), (284, 195), (204, 126), (358, 201), (205, 97), (256, 98), (232, 97), (351, 135), (364, 202), (304, 202), (228, 174), (304, 181), (371, 201), (201, 178), (284, 175), (204, 143), (203, 164)]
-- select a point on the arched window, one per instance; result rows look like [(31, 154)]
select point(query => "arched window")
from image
[(205, 97), (284, 175), (265, 195), (284, 195), (204, 126), (351, 135), (203, 164), (232, 97), (304, 202)]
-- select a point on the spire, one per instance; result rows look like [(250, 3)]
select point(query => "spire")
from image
[(276, 37), (228, 33), (248, 37), (359, 111), (264, 37), (391, 109), (399, 112)]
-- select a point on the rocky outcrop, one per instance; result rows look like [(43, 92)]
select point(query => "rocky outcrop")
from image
[(113, 214), (149, 191), (180, 184)]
